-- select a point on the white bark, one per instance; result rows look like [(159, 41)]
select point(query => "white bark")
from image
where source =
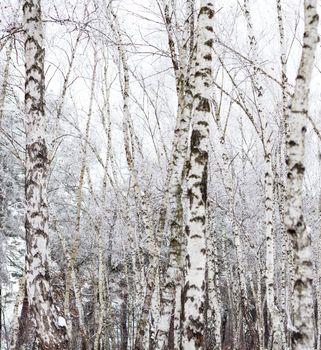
[(72, 257), (194, 289), (266, 135), (214, 314), (17, 306), (303, 336), (318, 284), (50, 335), (171, 293)]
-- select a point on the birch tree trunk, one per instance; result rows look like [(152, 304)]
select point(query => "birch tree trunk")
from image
[(171, 293), (287, 263), (15, 320), (98, 228), (139, 195), (266, 134), (303, 335), (214, 312), (195, 263), (71, 278), (50, 329)]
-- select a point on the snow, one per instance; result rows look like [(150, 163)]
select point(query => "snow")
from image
[(62, 322)]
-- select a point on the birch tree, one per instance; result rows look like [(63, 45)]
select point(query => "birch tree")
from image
[(40, 308), (169, 227), (303, 321), (266, 138), (194, 288), (184, 76)]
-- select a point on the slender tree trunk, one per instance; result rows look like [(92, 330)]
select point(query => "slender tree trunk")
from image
[(71, 278), (173, 279), (318, 284), (98, 229), (286, 304), (214, 312), (266, 134), (3, 183), (303, 335), (15, 318)]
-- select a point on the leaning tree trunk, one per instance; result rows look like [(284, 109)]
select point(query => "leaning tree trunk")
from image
[(49, 328), (303, 321), (194, 288)]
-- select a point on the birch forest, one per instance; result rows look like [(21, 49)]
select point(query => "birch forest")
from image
[(160, 175)]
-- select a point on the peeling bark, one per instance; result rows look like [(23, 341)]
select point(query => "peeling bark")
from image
[(39, 305)]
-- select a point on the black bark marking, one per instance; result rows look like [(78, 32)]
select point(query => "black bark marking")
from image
[(207, 10), (299, 167), (209, 43)]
